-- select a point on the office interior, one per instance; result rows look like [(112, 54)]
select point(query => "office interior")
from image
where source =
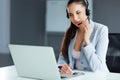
[(26, 22)]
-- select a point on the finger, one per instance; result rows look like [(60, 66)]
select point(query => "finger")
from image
[(86, 24), (84, 27), (86, 18), (63, 71), (69, 69), (66, 72), (83, 21), (66, 69), (65, 66)]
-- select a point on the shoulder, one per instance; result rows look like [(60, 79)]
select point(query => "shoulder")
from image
[(100, 27)]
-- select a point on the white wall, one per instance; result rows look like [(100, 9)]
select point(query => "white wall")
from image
[(56, 20), (4, 25)]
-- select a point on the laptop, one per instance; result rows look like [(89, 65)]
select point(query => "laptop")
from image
[(36, 62)]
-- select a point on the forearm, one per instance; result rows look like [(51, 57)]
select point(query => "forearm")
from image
[(96, 61), (61, 60)]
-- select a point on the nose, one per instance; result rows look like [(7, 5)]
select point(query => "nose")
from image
[(76, 18)]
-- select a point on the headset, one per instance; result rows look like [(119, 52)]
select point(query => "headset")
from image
[(86, 4)]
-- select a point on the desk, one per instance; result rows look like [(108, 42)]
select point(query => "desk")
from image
[(9, 73)]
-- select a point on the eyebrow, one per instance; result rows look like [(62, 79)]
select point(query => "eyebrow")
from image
[(75, 11), (78, 11)]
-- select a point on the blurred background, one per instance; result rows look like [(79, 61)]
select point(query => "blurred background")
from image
[(44, 22)]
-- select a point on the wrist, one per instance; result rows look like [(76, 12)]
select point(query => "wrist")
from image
[(87, 42)]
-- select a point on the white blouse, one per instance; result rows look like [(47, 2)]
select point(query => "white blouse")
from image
[(76, 55)]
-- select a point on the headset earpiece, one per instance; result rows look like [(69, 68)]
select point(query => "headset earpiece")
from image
[(67, 14)]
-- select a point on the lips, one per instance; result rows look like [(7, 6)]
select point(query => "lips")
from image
[(79, 24)]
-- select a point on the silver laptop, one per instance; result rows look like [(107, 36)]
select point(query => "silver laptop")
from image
[(35, 62)]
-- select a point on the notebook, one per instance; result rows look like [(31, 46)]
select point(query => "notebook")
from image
[(37, 62)]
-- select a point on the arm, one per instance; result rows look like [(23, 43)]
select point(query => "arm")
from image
[(96, 55), (61, 60)]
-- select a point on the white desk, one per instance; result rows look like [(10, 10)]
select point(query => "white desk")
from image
[(9, 73)]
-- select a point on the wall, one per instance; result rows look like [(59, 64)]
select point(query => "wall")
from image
[(4, 25), (28, 22), (21, 22), (107, 12)]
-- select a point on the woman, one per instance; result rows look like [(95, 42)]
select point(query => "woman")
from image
[(85, 43)]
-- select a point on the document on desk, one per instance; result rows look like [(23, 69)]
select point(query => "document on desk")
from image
[(76, 75)]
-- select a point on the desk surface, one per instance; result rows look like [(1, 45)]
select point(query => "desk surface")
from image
[(9, 73)]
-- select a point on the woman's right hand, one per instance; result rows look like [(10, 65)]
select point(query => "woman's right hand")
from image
[(66, 69)]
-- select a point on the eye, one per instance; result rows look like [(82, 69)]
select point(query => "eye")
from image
[(78, 12)]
